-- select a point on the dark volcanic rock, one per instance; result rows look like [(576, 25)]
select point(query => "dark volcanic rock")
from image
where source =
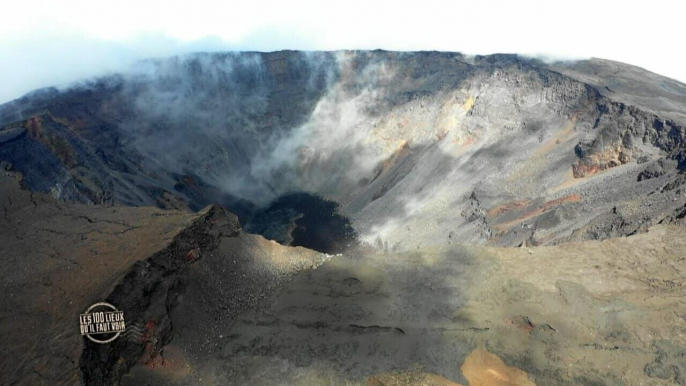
[(55, 160), (306, 220), (654, 170), (669, 364), (149, 293)]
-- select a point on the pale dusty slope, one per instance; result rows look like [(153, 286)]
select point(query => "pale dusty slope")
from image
[(610, 313)]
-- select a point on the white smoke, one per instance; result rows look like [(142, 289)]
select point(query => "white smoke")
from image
[(335, 147)]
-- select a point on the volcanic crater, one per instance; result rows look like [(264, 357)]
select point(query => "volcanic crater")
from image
[(348, 217)]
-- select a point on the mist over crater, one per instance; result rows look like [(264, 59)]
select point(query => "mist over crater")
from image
[(415, 149)]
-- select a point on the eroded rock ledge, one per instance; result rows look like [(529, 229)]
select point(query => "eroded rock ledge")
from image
[(149, 292)]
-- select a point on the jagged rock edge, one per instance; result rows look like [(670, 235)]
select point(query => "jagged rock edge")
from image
[(149, 292)]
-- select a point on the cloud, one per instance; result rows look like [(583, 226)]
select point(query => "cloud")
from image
[(36, 62), (44, 59), (54, 43)]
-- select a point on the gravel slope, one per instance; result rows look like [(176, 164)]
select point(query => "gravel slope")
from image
[(610, 313)]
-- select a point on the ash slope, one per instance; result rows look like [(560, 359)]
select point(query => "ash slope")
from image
[(417, 148)]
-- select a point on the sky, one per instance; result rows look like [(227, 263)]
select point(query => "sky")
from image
[(53, 43)]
